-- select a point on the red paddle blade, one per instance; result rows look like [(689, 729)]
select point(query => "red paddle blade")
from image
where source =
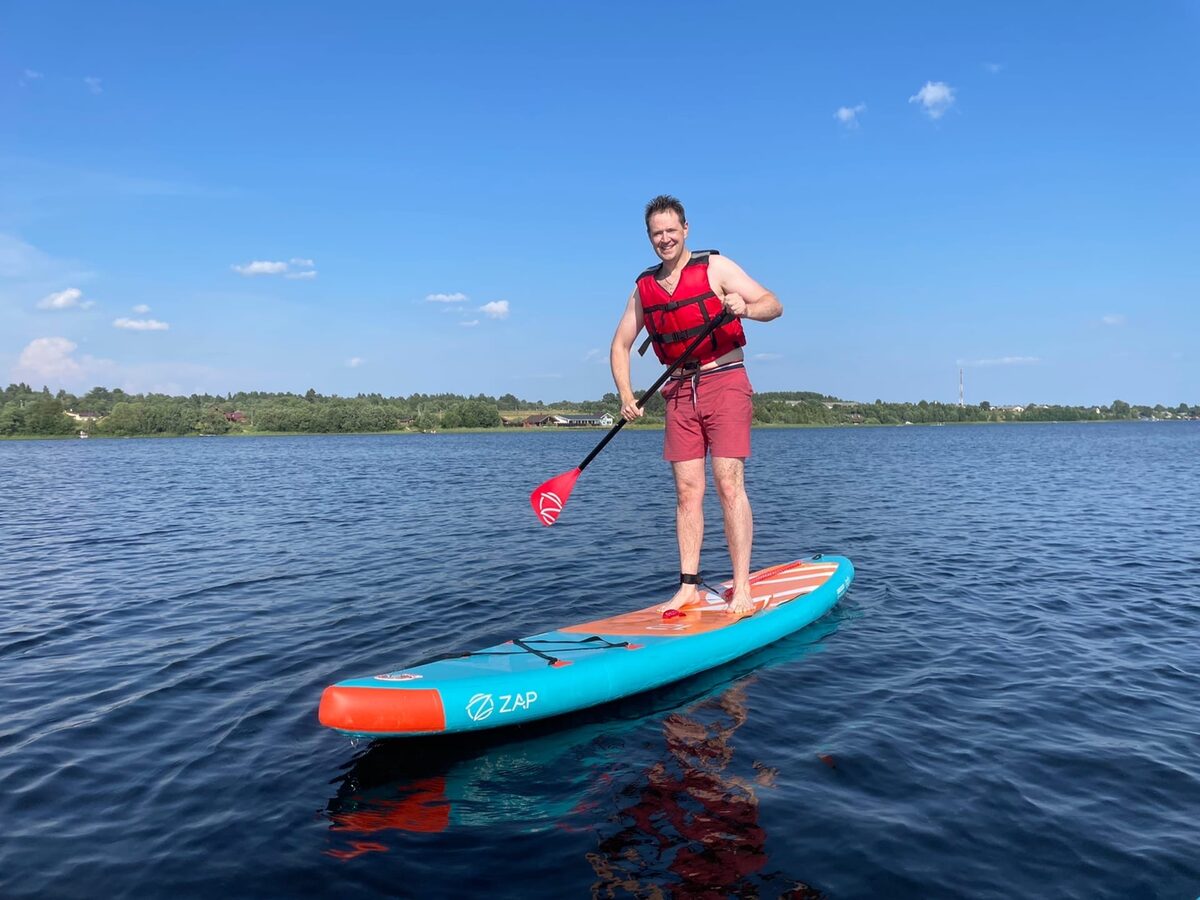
[(549, 499)]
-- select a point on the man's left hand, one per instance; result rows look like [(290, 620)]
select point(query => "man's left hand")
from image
[(736, 304)]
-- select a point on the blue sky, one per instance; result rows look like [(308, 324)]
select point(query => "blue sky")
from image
[(393, 198)]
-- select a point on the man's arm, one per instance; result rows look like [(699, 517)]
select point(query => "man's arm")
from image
[(741, 294), (618, 356)]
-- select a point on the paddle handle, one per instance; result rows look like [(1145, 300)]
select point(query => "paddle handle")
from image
[(671, 370)]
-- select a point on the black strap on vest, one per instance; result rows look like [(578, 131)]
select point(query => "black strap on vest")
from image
[(675, 304)]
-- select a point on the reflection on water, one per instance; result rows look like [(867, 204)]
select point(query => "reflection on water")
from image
[(691, 823), (657, 779)]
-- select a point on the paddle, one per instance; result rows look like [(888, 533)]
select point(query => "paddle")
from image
[(549, 499)]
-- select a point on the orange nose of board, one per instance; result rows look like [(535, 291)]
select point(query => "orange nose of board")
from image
[(382, 710)]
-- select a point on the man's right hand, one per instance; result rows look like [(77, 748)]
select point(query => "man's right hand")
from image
[(630, 410)]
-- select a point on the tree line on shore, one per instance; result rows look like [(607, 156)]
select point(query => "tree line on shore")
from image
[(101, 411)]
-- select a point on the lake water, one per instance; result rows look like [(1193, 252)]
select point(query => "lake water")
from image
[(1006, 703)]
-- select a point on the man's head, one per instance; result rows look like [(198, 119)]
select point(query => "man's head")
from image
[(665, 203), (666, 226)]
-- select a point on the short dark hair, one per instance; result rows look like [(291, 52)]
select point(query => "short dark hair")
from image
[(665, 203)]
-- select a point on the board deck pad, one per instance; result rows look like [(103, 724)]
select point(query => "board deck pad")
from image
[(783, 583)]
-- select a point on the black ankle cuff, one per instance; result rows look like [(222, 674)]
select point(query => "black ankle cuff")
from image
[(685, 578)]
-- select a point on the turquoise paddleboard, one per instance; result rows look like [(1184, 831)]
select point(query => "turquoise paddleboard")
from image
[(582, 665)]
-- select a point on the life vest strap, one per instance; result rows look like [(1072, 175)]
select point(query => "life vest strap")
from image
[(672, 337), (675, 304)]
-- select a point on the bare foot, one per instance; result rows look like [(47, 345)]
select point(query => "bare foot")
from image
[(687, 595), (741, 604)]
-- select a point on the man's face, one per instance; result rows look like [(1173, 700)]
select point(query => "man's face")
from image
[(667, 235)]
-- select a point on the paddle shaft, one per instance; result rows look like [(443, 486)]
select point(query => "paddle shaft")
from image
[(691, 348)]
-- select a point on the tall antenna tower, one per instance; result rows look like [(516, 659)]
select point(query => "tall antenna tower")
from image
[(960, 388)]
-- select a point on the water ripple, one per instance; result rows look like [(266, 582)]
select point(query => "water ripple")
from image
[(1006, 703)]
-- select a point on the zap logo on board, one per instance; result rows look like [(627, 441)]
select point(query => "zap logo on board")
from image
[(480, 707)]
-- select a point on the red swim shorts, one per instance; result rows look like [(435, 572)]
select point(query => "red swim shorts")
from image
[(709, 414)]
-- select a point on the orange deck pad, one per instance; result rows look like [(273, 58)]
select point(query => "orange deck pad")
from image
[(775, 587), (376, 710)]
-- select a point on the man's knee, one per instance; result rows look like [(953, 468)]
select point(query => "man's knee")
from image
[(732, 494), (689, 482), (690, 494), (728, 476)]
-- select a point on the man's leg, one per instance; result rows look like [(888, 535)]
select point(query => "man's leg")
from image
[(689, 525), (729, 476)]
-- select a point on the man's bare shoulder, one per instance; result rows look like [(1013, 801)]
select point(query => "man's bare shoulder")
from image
[(723, 271), (723, 265)]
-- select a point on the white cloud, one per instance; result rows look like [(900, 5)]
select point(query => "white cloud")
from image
[(767, 357), (305, 266), (848, 115), (1112, 319), (67, 299), (471, 324), (27, 273), (994, 67), (29, 76), (297, 269), (55, 362), (141, 309), (497, 309), (93, 84), (594, 354), (935, 98), (446, 298), (260, 267), (1001, 361), (354, 362), (140, 324), (48, 359)]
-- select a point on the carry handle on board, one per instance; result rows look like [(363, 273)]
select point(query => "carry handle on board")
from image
[(549, 498)]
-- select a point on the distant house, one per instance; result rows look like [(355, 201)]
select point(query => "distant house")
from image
[(84, 416), (237, 416), (539, 421), (575, 420)]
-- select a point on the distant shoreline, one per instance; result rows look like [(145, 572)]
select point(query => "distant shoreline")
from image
[(766, 426)]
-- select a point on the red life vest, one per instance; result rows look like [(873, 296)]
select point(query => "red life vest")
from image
[(674, 320)]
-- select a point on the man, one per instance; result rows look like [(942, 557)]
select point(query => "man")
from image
[(708, 402)]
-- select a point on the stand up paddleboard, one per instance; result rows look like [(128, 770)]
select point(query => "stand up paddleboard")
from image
[(582, 665)]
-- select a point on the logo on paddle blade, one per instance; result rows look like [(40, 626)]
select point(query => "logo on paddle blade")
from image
[(549, 507), (480, 707)]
